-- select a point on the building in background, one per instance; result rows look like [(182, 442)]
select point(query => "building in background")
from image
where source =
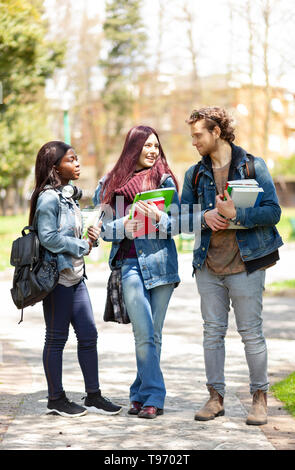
[(166, 102)]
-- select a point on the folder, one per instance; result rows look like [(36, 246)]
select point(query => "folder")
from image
[(162, 197)]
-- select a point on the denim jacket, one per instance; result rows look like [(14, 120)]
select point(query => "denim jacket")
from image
[(55, 221), (261, 236), (157, 257)]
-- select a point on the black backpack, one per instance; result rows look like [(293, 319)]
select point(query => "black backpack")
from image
[(249, 173), (34, 278)]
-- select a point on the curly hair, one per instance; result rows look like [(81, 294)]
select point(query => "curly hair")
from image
[(213, 116)]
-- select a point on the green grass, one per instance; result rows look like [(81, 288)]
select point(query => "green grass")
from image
[(10, 229), (282, 285), (284, 226), (104, 252), (285, 392), (11, 226)]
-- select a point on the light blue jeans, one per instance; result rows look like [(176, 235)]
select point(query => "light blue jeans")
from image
[(245, 293), (146, 310)]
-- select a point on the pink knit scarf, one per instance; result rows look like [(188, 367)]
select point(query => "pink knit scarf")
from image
[(133, 186)]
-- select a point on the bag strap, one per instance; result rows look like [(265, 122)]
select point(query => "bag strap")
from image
[(21, 317), (249, 169), (28, 227), (249, 173), (196, 178)]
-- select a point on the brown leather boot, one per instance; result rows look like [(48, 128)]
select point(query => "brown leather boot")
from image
[(213, 407), (258, 412)]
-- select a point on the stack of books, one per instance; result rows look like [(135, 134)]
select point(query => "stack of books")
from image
[(161, 197), (244, 193)]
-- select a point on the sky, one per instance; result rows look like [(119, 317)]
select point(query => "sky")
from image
[(217, 43)]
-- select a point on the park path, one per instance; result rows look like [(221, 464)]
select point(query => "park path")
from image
[(24, 426)]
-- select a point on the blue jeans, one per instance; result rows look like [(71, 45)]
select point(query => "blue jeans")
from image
[(146, 310), (245, 292), (62, 307)]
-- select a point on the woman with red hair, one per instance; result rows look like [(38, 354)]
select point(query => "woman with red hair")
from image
[(148, 264)]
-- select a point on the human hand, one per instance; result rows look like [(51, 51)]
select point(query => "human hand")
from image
[(90, 246), (94, 232), (149, 209), (215, 221), (133, 225), (225, 207)]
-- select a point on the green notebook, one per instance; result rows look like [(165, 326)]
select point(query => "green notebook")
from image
[(166, 193)]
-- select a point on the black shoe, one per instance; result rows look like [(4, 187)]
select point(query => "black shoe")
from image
[(64, 407), (96, 403)]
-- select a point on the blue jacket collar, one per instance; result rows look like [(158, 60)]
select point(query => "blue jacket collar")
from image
[(239, 157)]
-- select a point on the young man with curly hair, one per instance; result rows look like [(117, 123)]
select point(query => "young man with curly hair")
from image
[(230, 264)]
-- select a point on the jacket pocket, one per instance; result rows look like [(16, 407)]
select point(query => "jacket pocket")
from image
[(265, 235)]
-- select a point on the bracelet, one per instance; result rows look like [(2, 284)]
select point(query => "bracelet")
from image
[(233, 219), (203, 221), (95, 244)]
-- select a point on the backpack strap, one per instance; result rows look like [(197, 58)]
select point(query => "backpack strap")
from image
[(31, 228), (195, 178), (249, 169), (249, 173)]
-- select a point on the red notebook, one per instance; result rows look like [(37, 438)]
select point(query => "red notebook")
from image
[(148, 222)]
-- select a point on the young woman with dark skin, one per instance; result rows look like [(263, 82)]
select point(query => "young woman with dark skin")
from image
[(57, 218)]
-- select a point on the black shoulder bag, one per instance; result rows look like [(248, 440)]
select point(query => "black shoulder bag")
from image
[(34, 278)]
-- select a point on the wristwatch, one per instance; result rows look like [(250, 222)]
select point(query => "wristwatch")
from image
[(203, 221), (235, 221)]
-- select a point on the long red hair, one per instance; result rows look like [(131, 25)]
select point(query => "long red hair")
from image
[(126, 164)]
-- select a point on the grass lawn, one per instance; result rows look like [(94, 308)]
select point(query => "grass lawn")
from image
[(11, 226), (284, 226), (285, 392), (10, 229), (282, 285)]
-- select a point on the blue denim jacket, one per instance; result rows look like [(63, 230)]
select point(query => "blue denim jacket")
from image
[(157, 257), (261, 236), (55, 221)]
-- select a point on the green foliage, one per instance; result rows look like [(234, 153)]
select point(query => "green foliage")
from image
[(285, 167), (124, 32), (26, 57), (26, 60), (22, 132)]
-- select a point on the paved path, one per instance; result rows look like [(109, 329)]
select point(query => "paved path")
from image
[(24, 426)]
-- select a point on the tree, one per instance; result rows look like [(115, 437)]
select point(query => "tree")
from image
[(263, 32), (125, 35), (189, 18), (26, 60)]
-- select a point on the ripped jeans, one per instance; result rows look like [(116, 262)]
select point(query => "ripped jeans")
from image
[(146, 310), (245, 293)]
